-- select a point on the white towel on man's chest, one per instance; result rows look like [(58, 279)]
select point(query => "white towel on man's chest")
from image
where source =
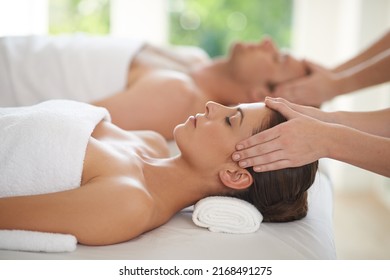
[(85, 68), (42, 147)]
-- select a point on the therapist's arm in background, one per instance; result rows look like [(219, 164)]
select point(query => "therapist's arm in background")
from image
[(358, 138), (370, 67)]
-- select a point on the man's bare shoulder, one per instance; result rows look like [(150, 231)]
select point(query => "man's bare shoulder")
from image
[(165, 88)]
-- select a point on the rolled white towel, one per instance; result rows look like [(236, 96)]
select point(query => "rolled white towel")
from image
[(226, 214), (22, 240)]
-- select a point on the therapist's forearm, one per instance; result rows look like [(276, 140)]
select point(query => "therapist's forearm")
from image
[(373, 122), (360, 149), (379, 46), (372, 72)]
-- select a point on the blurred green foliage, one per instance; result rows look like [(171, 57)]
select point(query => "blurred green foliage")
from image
[(88, 16), (214, 24), (210, 24)]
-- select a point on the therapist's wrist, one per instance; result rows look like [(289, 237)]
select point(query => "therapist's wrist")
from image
[(328, 142), (344, 82)]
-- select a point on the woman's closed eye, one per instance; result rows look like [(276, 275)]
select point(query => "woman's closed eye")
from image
[(227, 120)]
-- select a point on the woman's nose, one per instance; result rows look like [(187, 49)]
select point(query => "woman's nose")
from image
[(213, 108)]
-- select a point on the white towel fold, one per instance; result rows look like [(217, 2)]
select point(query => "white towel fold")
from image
[(226, 214), (42, 150), (42, 147), (77, 67), (21, 240)]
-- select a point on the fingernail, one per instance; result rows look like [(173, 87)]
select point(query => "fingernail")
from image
[(243, 164), (239, 147), (236, 157), (257, 169)]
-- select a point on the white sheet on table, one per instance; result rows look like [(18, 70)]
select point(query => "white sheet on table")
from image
[(309, 238)]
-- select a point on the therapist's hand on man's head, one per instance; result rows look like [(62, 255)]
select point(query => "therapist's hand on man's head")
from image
[(318, 86), (297, 142)]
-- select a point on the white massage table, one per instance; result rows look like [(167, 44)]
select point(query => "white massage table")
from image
[(309, 238)]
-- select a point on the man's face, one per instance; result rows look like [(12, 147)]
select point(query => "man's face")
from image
[(262, 63)]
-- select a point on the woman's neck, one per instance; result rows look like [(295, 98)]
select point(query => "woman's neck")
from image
[(174, 185)]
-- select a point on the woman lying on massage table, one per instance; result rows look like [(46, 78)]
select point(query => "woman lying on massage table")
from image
[(130, 185), (175, 89), (130, 78)]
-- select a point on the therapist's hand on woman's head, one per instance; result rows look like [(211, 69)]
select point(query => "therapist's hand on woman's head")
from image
[(318, 86), (293, 143)]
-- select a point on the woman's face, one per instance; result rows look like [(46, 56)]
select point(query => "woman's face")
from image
[(208, 140), (263, 63)]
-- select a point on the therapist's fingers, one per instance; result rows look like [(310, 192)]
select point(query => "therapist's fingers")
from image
[(297, 110), (259, 138), (280, 164), (254, 145), (260, 160), (292, 90), (258, 148), (257, 154), (282, 106)]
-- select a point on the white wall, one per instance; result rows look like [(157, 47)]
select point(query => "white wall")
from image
[(146, 19), (329, 32), (23, 17)]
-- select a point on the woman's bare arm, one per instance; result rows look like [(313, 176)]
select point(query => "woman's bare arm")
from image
[(98, 213)]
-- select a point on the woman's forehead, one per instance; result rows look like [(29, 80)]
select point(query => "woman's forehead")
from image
[(252, 106), (254, 111)]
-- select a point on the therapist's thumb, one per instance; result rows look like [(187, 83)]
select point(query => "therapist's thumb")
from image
[(281, 105)]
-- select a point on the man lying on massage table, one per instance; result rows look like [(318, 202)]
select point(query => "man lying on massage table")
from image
[(120, 184), (156, 90)]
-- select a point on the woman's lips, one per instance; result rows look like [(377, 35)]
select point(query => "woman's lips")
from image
[(193, 120)]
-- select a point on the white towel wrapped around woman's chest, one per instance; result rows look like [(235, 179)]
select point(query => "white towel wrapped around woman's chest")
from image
[(42, 147)]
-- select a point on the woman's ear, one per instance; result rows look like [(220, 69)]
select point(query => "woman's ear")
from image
[(236, 178)]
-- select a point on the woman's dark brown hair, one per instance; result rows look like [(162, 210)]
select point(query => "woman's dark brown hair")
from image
[(280, 195)]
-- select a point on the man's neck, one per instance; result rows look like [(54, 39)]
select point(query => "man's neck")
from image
[(218, 83)]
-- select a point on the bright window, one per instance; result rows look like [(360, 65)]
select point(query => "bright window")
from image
[(88, 16), (213, 25)]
